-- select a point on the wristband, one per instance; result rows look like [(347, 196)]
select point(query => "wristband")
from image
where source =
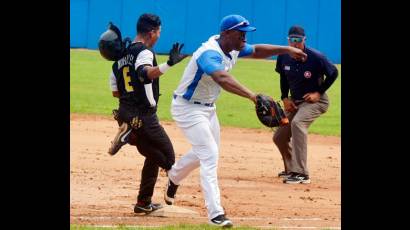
[(163, 67)]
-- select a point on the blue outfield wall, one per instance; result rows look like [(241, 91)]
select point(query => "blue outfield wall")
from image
[(193, 22)]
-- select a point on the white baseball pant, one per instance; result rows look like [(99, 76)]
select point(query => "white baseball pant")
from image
[(200, 125)]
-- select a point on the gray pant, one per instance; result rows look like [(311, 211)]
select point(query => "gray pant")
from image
[(294, 152)]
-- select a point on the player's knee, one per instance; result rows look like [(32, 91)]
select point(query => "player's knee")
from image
[(209, 148), (209, 158), (209, 163), (214, 150)]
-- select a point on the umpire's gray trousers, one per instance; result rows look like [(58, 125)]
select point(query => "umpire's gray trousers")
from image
[(291, 139)]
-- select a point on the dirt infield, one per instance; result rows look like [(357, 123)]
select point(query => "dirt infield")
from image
[(103, 189)]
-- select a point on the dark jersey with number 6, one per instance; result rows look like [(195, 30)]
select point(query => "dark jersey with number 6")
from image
[(135, 109), (130, 81)]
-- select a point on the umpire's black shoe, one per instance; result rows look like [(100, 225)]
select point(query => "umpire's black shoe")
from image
[(297, 178), (170, 191), (142, 208), (284, 174), (120, 139), (222, 221)]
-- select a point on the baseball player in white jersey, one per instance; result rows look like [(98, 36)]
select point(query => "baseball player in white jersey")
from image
[(194, 110)]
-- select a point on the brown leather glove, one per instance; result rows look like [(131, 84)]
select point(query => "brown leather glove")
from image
[(269, 112)]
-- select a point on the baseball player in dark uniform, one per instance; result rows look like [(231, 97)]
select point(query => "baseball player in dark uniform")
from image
[(307, 85), (135, 81)]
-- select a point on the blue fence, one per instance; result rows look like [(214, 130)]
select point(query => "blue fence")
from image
[(193, 22)]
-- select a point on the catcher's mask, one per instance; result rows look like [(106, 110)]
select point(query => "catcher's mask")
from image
[(110, 44)]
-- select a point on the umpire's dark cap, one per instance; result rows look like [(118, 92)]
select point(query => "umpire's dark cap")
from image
[(296, 31)]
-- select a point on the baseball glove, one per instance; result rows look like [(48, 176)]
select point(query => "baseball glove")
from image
[(269, 112)]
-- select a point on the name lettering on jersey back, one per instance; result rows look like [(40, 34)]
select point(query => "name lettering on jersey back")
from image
[(126, 60)]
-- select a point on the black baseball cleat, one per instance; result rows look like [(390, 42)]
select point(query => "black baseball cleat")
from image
[(120, 139), (170, 191), (139, 208), (222, 221), (297, 178)]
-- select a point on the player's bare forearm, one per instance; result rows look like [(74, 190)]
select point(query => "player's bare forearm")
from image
[(266, 50), (230, 84), (153, 72)]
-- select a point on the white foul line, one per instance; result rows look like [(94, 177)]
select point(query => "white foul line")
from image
[(264, 226), (201, 217)]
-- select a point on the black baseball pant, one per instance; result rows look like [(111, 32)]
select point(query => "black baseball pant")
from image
[(154, 144)]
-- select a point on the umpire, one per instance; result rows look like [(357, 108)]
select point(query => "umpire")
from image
[(307, 86), (135, 81)]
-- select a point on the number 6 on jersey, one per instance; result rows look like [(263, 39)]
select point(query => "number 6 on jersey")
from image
[(127, 79)]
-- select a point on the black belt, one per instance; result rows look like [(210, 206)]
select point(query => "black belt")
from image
[(197, 102), (298, 102)]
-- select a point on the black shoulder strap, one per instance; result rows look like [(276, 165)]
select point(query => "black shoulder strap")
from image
[(115, 29)]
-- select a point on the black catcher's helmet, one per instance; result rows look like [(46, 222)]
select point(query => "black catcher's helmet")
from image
[(110, 44)]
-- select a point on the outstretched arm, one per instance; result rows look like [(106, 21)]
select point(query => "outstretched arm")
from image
[(266, 50)]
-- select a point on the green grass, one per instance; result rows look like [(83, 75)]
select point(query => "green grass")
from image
[(170, 227), (90, 92)]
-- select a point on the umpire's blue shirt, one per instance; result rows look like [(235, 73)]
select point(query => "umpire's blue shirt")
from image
[(305, 77)]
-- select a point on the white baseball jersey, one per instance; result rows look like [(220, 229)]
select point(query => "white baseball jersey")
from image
[(196, 83)]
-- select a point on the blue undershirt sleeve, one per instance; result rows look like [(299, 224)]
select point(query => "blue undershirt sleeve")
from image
[(210, 61), (247, 50)]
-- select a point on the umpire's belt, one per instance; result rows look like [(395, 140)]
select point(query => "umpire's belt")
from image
[(196, 102), (298, 102)]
